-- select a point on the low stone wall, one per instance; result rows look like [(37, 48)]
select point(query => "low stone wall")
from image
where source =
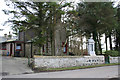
[(114, 59), (67, 61)]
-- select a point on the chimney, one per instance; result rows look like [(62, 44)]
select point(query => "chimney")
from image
[(9, 36), (5, 35), (9, 32)]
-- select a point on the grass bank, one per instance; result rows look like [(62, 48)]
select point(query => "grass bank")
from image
[(36, 70)]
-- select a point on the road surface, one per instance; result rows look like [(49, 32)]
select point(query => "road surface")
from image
[(14, 65), (98, 72)]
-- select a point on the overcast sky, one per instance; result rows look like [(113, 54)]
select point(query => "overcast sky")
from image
[(4, 17)]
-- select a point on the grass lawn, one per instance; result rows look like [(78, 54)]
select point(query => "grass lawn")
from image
[(71, 68)]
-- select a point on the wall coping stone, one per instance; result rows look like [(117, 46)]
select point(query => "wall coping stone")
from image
[(66, 56)]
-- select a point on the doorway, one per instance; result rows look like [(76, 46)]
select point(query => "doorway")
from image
[(10, 49)]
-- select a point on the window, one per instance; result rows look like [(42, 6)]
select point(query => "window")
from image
[(18, 47), (3, 47)]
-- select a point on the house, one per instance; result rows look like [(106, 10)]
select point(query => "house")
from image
[(12, 48), (60, 46)]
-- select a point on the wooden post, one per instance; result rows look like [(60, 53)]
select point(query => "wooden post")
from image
[(31, 51), (14, 49), (24, 42)]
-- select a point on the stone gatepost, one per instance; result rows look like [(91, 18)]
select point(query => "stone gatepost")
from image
[(91, 48)]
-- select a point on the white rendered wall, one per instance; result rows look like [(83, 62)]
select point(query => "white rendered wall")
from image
[(114, 59), (67, 61)]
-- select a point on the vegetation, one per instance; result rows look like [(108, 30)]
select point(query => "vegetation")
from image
[(117, 31), (72, 68), (42, 17), (98, 19), (112, 53), (95, 18)]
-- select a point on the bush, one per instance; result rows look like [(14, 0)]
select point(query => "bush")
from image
[(112, 53)]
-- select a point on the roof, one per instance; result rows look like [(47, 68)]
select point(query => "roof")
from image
[(30, 41), (13, 41)]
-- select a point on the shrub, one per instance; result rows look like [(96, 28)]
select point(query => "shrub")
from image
[(112, 53)]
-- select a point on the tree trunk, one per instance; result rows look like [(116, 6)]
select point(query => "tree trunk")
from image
[(68, 46), (110, 40), (81, 44), (94, 38), (47, 41), (86, 52), (116, 44), (53, 36), (117, 41), (99, 43), (106, 42), (53, 43), (79, 48), (119, 47), (52, 39), (24, 44)]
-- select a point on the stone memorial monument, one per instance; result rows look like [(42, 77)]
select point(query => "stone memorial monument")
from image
[(91, 48)]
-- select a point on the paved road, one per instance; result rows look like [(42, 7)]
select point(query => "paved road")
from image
[(14, 65), (0, 67), (99, 72)]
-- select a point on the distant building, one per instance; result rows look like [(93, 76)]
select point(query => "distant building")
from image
[(8, 43), (2, 39), (8, 37), (60, 40), (12, 48)]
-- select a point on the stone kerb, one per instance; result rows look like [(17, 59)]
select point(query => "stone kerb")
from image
[(67, 61)]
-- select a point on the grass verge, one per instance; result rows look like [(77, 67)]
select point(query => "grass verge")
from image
[(36, 70)]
